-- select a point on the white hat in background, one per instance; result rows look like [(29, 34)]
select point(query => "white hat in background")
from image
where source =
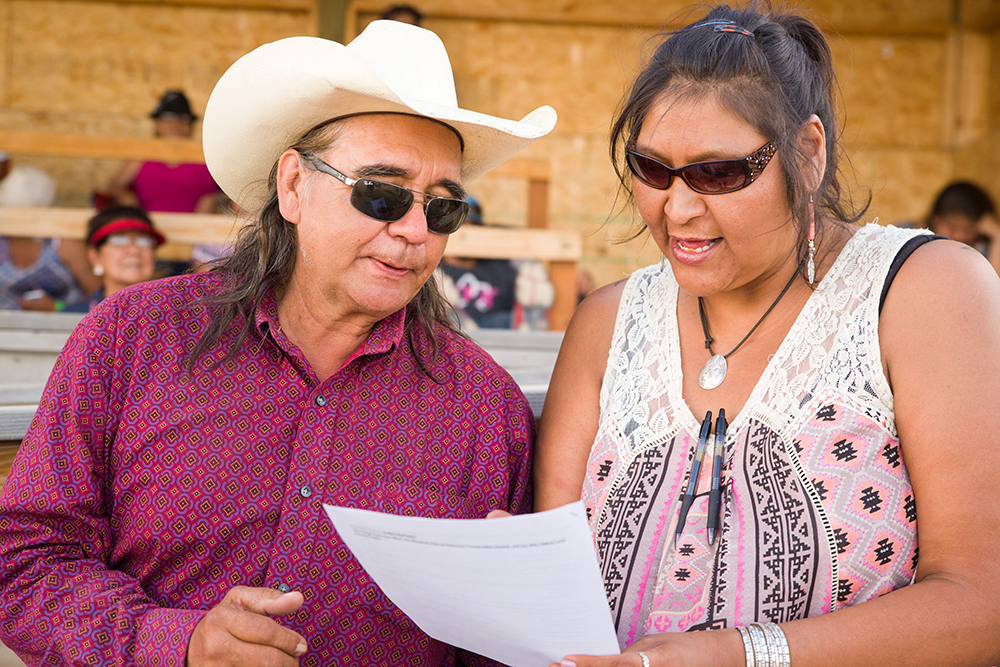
[(27, 186)]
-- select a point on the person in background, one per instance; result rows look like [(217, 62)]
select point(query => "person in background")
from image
[(121, 241), (404, 14), (965, 212), (161, 186), (36, 273), (770, 428), (496, 293), (166, 505), (480, 290), (169, 187)]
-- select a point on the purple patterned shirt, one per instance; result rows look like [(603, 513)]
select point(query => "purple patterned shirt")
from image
[(143, 493)]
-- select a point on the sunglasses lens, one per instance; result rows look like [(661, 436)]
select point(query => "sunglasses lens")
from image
[(649, 171), (445, 216), (716, 177), (381, 201)]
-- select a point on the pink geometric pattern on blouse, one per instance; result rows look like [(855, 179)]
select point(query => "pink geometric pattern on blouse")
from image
[(143, 493)]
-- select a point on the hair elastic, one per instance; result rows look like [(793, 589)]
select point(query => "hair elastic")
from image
[(725, 26)]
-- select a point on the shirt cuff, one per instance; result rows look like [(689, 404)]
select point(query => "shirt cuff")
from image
[(163, 636)]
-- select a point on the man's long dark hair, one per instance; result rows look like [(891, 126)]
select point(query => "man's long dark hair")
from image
[(264, 259)]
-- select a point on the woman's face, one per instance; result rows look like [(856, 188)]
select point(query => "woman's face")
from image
[(172, 127), (127, 259), (955, 226), (719, 242)]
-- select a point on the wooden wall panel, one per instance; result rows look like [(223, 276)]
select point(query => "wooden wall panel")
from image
[(98, 66), (95, 67)]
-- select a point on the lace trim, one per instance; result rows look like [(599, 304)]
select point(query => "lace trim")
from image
[(838, 326)]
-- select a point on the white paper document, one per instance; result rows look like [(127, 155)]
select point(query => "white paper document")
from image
[(523, 590)]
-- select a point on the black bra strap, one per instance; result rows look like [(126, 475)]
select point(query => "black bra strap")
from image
[(901, 257)]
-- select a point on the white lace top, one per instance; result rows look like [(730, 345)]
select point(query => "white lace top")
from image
[(818, 511)]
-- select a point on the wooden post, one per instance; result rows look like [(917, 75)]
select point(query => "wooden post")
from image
[(563, 278)]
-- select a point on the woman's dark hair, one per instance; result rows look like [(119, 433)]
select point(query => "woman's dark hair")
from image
[(965, 199), (264, 259), (774, 78), (110, 214)]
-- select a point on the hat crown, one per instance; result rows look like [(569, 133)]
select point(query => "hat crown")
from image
[(411, 61)]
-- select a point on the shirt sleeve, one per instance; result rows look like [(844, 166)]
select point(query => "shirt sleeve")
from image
[(63, 601)]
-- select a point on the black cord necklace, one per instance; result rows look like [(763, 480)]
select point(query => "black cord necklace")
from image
[(714, 371)]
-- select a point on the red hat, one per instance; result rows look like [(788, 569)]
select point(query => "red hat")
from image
[(125, 225)]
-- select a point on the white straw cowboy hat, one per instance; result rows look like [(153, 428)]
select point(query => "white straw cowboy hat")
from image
[(276, 93)]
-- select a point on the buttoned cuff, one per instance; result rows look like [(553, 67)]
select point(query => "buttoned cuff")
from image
[(163, 636)]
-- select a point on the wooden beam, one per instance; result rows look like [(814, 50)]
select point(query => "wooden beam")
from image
[(282, 5), (97, 146)]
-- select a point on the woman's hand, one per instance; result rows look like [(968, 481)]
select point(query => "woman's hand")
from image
[(715, 648)]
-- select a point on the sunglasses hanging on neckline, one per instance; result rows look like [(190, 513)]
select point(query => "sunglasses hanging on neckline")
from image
[(387, 202), (713, 177)]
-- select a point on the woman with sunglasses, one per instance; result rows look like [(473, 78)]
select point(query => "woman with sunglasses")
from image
[(758, 424), (121, 241)]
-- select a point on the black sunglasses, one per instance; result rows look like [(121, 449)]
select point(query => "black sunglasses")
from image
[(386, 202), (715, 177)]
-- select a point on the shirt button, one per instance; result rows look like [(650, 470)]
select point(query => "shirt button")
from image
[(305, 492), (321, 400), (284, 588)]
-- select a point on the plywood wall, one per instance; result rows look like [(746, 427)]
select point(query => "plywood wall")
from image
[(918, 106), (99, 68), (919, 81)]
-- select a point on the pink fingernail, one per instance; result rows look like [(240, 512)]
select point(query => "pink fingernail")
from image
[(567, 663)]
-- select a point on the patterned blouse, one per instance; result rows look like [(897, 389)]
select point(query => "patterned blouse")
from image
[(143, 493), (817, 508)]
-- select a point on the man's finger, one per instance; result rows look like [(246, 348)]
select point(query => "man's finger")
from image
[(266, 601), (253, 628)]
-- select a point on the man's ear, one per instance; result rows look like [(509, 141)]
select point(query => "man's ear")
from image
[(813, 143), (291, 182)]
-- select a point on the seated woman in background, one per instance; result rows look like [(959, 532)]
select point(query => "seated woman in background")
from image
[(838, 514), (36, 273), (120, 245), (159, 186), (965, 212)]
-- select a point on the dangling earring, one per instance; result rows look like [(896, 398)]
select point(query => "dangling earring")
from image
[(98, 270), (663, 260), (811, 265)]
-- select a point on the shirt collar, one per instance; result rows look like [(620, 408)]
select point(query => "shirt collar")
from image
[(388, 332)]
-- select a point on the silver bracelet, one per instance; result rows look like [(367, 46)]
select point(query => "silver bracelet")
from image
[(761, 646), (780, 643), (747, 646)]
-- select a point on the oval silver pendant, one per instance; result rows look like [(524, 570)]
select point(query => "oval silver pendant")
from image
[(713, 372)]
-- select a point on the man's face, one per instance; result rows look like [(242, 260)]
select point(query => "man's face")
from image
[(350, 265)]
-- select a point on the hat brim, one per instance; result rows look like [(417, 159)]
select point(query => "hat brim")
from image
[(275, 94)]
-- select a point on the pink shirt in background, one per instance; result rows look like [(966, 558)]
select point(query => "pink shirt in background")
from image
[(172, 188)]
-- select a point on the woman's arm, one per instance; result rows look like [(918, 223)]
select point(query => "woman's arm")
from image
[(940, 338), (120, 187), (568, 424)]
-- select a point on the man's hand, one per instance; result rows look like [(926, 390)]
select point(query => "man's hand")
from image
[(238, 631)]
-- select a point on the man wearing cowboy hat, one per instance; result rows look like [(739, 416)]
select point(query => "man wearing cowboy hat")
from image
[(167, 501)]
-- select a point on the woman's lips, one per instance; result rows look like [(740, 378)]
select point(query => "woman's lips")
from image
[(693, 251)]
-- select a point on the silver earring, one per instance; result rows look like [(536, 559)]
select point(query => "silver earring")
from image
[(811, 265)]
